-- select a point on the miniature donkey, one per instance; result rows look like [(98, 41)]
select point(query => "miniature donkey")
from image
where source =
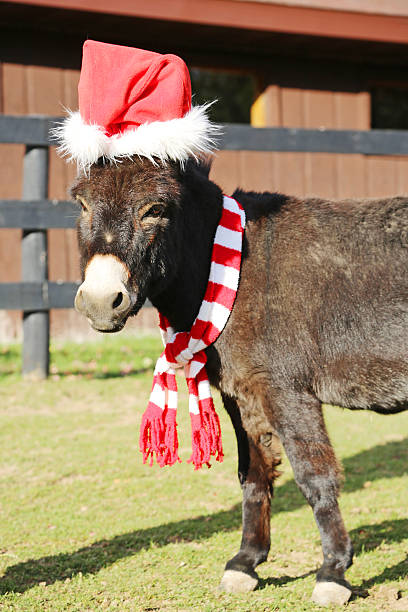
[(321, 316)]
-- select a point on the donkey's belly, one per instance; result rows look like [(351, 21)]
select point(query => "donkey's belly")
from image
[(370, 383)]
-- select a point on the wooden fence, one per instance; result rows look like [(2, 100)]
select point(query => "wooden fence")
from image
[(35, 213)]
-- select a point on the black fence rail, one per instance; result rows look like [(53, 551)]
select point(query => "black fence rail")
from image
[(33, 131), (35, 213)]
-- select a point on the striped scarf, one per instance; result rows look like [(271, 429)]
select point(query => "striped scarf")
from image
[(158, 434)]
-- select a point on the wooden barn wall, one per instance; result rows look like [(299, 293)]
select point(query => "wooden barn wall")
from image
[(312, 174), (36, 90), (45, 90)]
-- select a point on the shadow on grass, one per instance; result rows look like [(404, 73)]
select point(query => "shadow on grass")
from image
[(383, 461), (91, 559), (370, 537), (365, 538), (388, 460), (282, 580)]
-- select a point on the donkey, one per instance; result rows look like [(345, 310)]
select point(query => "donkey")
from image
[(321, 316)]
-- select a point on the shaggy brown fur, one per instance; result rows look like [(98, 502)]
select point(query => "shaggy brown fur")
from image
[(321, 315)]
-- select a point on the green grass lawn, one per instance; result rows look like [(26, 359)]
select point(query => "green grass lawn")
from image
[(84, 525)]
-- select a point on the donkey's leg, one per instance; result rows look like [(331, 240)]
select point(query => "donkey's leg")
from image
[(258, 456), (299, 421)]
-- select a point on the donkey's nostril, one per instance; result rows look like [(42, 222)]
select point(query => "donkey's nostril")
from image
[(118, 300), (122, 303)]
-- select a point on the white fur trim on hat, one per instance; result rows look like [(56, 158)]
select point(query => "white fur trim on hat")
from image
[(175, 139)]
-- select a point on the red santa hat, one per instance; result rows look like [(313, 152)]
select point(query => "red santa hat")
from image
[(134, 102)]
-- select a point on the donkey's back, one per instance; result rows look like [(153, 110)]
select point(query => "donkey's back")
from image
[(328, 285)]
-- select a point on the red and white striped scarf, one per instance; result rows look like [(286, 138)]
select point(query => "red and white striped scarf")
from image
[(158, 434)]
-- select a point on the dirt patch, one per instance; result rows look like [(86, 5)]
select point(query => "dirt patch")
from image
[(389, 597)]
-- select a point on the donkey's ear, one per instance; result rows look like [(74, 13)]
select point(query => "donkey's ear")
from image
[(200, 165)]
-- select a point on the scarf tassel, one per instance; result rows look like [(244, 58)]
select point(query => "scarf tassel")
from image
[(158, 436), (206, 435)]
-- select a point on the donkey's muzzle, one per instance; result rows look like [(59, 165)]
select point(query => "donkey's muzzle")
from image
[(103, 297)]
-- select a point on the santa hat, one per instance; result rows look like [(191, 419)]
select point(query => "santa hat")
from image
[(134, 102)]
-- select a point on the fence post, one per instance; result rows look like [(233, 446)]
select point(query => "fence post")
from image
[(36, 325)]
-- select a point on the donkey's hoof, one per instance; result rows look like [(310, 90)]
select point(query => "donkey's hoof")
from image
[(234, 581), (328, 593)]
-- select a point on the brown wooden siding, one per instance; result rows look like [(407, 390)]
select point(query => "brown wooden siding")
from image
[(45, 90), (261, 16), (311, 174), (36, 90), (378, 7), (282, 106)]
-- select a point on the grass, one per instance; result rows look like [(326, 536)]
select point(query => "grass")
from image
[(84, 525)]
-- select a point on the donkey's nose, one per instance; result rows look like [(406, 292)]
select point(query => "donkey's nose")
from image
[(90, 303), (103, 297)]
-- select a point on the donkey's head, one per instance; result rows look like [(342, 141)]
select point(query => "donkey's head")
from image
[(128, 237), (135, 114)]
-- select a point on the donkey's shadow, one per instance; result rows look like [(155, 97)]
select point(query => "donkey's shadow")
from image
[(367, 465), (91, 559), (369, 537), (388, 460)]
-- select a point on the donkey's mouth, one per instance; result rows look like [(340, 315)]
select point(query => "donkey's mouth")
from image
[(109, 331), (107, 328)]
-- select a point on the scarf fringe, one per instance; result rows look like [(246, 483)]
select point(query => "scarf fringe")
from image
[(206, 436), (158, 436)]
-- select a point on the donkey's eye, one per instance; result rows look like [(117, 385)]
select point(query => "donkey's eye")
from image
[(154, 211), (84, 204)]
